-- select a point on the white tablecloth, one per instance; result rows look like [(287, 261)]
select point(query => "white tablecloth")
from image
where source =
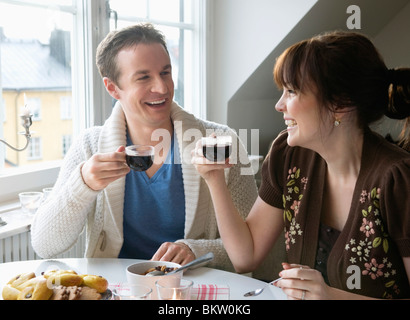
[(114, 271)]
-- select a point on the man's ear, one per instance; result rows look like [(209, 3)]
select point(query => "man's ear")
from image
[(111, 88)]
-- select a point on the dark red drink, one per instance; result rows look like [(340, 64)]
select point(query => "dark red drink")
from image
[(217, 149), (216, 153), (139, 158), (139, 163)]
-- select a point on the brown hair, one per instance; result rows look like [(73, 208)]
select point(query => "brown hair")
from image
[(117, 40), (347, 72)]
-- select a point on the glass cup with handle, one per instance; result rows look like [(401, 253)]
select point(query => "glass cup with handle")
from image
[(139, 157)]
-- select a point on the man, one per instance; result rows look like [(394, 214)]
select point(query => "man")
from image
[(164, 213)]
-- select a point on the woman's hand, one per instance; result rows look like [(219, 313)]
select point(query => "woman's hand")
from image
[(303, 283), (209, 170)]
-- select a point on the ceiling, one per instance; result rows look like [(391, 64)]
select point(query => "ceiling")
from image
[(323, 16)]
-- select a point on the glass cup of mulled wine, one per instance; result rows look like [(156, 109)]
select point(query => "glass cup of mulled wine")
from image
[(139, 157), (217, 149)]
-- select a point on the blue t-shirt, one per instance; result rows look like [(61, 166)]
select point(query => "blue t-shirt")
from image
[(154, 209)]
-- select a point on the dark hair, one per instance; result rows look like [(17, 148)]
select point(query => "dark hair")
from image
[(115, 41), (346, 72)]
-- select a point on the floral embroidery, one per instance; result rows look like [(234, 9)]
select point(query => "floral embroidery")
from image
[(367, 227), (373, 269), (374, 238), (295, 207), (292, 200)]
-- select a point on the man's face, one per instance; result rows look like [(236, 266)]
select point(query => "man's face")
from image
[(145, 86)]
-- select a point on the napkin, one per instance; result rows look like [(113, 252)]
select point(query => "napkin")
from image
[(210, 292), (199, 291)]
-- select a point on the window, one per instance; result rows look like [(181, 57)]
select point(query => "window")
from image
[(34, 151), (35, 108), (50, 66), (66, 143), (65, 108), (178, 20), (37, 45)]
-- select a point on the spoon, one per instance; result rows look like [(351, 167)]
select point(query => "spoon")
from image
[(257, 292), (206, 257)]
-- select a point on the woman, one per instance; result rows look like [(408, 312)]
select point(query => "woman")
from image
[(339, 189)]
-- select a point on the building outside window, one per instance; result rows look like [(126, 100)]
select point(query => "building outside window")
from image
[(35, 107), (65, 108), (66, 143), (35, 71), (34, 151)]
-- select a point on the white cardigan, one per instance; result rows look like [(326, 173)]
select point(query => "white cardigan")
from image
[(73, 205)]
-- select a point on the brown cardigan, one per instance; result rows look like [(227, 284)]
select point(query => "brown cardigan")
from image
[(377, 232)]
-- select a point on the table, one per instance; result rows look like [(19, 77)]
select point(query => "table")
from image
[(114, 271)]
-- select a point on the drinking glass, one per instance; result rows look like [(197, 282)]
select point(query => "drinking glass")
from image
[(46, 192), (217, 149), (139, 157), (130, 291), (170, 291), (30, 201)]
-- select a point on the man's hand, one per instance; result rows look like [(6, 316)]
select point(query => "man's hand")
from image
[(174, 252), (103, 168)]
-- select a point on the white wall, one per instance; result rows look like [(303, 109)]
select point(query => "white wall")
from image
[(243, 33), (247, 36)]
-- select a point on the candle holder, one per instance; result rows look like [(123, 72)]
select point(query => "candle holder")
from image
[(26, 122), (169, 290)]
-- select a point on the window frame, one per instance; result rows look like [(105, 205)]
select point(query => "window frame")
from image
[(36, 108), (66, 108), (199, 29), (35, 149), (92, 19), (66, 141)]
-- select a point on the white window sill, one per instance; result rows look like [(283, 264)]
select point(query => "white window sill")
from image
[(17, 222)]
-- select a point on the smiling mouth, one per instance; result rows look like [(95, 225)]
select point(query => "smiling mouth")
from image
[(156, 103), (291, 123)]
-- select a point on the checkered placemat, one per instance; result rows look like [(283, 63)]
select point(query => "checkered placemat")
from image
[(199, 291)]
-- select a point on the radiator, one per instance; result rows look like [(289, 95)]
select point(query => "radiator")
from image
[(18, 248)]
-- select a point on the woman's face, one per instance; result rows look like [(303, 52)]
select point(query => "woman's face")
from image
[(305, 124)]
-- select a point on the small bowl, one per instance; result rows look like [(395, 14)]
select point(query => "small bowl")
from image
[(135, 274)]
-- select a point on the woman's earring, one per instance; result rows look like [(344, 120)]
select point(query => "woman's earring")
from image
[(337, 122)]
